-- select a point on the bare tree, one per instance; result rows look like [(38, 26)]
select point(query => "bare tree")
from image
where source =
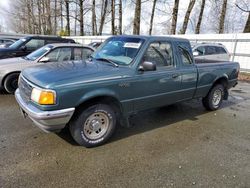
[(222, 16), (94, 26), (247, 26), (187, 15), (113, 17), (152, 17), (198, 26), (174, 16), (48, 17), (67, 17), (55, 18), (120, 17), (103, 16), (81, 18), (137, 18)]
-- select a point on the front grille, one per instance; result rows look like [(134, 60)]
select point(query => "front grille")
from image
[(25, 89)]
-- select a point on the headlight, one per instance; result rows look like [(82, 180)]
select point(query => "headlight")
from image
[(44, 97)]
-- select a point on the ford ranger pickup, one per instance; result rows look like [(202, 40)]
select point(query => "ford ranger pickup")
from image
[(125, 75)]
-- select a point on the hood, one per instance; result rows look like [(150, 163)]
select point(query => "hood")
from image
[(11, 61), (61, 74)]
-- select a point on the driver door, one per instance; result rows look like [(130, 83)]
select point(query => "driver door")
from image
[(160, 87)]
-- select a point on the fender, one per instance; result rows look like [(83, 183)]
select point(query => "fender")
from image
[(102, 92)]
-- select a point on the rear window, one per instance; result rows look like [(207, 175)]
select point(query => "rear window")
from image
[(220, 50)]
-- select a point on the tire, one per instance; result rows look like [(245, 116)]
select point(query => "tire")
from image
[(11, 83), (214, 98), (93, 126)]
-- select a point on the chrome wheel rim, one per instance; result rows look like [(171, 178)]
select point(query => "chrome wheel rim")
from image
[(217, 96), (96, 125)]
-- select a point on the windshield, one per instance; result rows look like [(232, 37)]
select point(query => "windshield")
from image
[(18, 43), (38, 53), (121, 50)]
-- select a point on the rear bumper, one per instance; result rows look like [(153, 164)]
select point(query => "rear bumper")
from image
[(48, 121), (232, 83)]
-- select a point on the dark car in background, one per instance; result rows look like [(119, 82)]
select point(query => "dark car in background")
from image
[(95, 44), (10, 68), (6, 42), (26, 45)]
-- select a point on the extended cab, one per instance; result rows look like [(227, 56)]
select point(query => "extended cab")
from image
[(125, 75)]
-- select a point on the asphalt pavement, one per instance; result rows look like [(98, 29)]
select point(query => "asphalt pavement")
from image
[(181, 145)]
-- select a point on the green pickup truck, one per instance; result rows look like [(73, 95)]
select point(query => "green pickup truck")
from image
[(125, 75)]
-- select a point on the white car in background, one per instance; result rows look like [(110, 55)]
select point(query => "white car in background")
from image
[(210, 51), (59, 52)]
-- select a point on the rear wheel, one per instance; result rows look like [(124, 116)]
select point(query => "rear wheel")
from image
[(11, 83), (93, 126), (214, 98)]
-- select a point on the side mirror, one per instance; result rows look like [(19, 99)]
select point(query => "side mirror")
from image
[(23, 48), (147, 66), (44, 60), (195, 53)]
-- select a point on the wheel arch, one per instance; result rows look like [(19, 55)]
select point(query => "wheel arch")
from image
[(223, 80), (103, 99), (6, 75)]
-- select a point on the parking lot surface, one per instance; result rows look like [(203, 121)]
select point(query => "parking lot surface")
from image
[(180, 145)]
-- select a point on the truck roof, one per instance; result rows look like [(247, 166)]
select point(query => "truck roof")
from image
[(149, 37)]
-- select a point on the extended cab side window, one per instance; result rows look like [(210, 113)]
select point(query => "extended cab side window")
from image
[(34, 44), (185, 56), (160, 53)]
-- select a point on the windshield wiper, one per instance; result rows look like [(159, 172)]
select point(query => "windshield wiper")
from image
[(107, 60), (25, 57)]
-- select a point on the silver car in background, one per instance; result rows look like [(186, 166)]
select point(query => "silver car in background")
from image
[(10, 68), (210, 51)]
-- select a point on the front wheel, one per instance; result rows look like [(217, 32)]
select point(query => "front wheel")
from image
[(11, 83), (93, 126), (214, 98)]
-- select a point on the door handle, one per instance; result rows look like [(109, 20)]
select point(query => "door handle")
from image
[(175, 75)]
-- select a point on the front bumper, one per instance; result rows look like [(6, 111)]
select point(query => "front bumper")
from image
[(48, 121)]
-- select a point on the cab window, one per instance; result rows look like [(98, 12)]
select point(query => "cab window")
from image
[(59, 55), (34, 44), (160, 53), (185, 56), (82, 53)]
